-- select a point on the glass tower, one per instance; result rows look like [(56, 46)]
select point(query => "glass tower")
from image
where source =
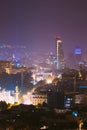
[(59, 54)]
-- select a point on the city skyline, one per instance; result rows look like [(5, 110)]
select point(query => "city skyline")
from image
[(36, 24)]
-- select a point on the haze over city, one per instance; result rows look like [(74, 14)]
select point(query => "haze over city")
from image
[(43, 65), (35, 24)]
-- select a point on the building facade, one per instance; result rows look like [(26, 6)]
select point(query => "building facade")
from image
[(59, 54), (5, 66), (55, 99)]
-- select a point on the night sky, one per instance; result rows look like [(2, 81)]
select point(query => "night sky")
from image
[(36, 23)]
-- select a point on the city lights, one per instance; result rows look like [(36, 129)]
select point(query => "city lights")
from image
[(49, 80), (6, 96), (43, 65)]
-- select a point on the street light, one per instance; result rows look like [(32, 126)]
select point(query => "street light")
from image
[(49, 79), (80, 124)]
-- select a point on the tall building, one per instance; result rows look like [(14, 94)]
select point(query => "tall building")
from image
[(78, 55), (78, 59), (59, 54)]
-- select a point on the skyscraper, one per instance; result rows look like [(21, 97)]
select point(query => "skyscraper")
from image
[(78, 55), (59, 54)]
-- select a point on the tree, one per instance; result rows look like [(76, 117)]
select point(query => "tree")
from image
[(3, 106)]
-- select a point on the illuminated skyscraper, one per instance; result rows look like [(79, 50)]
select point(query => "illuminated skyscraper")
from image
[(59, 54), (78, 55)]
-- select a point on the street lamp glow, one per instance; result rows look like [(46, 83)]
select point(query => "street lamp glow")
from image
[(49, 80)]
